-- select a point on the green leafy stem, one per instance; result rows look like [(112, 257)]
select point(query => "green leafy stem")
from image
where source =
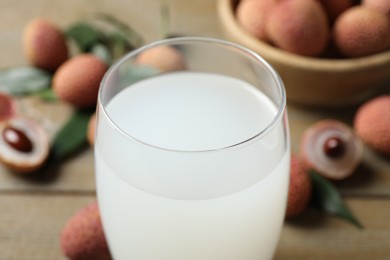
[(327, 198)]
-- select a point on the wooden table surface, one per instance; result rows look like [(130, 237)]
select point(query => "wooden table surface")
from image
[(33, 212)]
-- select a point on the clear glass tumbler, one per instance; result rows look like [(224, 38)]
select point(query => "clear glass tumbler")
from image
[(192, 153)]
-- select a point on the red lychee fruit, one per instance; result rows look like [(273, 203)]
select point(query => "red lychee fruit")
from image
[(7, 106), (77, 81), (372, 124), (361, 31), (382, 6), (44, 44), (251, 16), (334, 8), (300, 188), (163, 58), (82, 237), (298, 26)]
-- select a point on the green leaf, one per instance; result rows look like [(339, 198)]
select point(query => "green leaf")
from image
[(133, 73), (24, 80), (47, 95), (102, 52), (327, 198), (131, 35), (72, 136), (119, 44), (85, 35)]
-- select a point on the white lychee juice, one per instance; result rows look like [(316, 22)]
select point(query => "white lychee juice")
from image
[(191, 166)]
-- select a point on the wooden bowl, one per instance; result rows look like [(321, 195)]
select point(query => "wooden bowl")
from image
[(313, 81)]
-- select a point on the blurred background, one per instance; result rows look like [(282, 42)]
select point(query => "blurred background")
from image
[(34, 210)]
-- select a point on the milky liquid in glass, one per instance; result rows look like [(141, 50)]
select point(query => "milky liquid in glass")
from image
[(226, 204)]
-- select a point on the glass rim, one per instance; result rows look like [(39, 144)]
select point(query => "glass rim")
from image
[(196, 39)]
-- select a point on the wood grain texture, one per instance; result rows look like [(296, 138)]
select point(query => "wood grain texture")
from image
[(30, 224), (316, 236)]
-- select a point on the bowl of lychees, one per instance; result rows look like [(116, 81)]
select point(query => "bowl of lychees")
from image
[(329, 53)]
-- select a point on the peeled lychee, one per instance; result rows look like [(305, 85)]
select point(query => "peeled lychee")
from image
[(163, 58), (24, 144), (300, 188), (382, 6), (298, 26), (334, 8), (251, 16), (372, 123), (44, 44), (331, 148), (77, 81), (82, 237), (361, 31)]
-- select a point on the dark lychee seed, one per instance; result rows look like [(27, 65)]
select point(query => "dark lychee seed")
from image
[(334, 147), (17, 139)]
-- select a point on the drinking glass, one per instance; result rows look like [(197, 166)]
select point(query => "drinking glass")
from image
[(192, 153)]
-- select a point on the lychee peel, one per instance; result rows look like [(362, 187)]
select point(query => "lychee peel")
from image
[(334, 8), (162, 58), (382, 6), (251, 15), (372, 124), (298, 26), (7, 106), (77, 81), (300, 188), (361, 31), (44, 44), (82, 237)]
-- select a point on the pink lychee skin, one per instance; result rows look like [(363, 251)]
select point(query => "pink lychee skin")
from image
[(7, 106), (78, 79), (298, 26), (251, 16), (372, 124), (82, 237), (361, 31), (163, 58), (334, 8), (45, 44), (300, 188), (382, 6)]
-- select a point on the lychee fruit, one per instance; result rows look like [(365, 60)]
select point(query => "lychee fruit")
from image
[(361, 31), (334, 8), (7, 106), (77, 81), (163, 58), (82, 237), (372, 124), (91, 129), (382, 6), (44, 44), (300, 188), (24, 144), (298, 26), (331, 148), (251, 16)]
